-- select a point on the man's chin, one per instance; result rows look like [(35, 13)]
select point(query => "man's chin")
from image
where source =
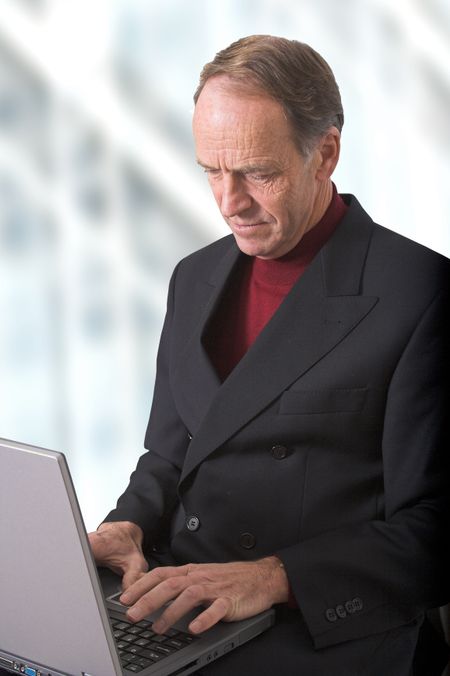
[(256, 248), (250, 248)]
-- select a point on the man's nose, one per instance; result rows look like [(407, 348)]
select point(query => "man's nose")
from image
[(234, 198)]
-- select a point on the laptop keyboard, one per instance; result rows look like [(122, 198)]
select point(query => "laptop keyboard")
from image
[(139, 646)]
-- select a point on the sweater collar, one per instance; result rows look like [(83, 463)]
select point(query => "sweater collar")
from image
[(281, 271)]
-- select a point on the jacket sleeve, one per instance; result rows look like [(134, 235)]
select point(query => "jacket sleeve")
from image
[(374, 576), (151, 495)]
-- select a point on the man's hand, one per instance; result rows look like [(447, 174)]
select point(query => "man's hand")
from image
[(118, 546), (232, 591)]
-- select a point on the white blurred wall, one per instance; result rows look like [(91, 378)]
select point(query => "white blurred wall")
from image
[(100, 194)]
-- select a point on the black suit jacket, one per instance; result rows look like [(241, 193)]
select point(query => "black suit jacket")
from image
[(326, 445)]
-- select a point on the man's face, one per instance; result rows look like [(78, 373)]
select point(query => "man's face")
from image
[(267, 192)]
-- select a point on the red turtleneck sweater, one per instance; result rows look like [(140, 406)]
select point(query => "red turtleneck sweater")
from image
[(258, 288)]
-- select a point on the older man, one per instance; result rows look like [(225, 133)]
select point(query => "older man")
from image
[(296, 439)]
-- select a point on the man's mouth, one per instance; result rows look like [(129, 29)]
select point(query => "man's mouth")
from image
[(246, 226)]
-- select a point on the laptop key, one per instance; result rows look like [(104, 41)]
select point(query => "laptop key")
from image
[(187, 638), (172, 632), (129, 657), (144, 662), (134, 668), (151, 655), (147, 633), (164, 649), (121, 625), (159, 638)]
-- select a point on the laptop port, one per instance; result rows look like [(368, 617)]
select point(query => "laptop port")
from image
[(5, 663)]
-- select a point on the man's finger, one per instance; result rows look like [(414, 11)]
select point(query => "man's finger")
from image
[(190, 598), (134, 573), (156, 598), (148, 582), (217, 611)]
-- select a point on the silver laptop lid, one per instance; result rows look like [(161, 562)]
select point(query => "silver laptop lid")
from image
[(40, 533)]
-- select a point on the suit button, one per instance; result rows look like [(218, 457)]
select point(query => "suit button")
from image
[(247, 540), (341, 612), (193, 523), (279, 452), (330, 614), (357, 603), (349, 607)]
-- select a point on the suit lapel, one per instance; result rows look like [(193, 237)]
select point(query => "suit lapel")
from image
[(194, 365), (322, 308)]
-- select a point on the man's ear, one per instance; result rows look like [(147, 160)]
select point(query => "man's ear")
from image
[(329, 148)]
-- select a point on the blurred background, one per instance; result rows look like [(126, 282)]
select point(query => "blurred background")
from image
[(100, 194)]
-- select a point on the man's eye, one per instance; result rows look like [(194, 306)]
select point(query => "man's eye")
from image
[(212, 172), (260, 178)]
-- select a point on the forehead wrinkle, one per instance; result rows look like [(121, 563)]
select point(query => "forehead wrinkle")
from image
[(238, 159), (242, 151), (242, 164)]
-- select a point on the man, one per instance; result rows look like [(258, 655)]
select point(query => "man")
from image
[(296, 440)]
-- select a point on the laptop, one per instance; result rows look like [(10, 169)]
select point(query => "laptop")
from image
[(54, 618)]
